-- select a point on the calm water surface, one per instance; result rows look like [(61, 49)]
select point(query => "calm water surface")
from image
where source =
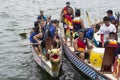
[(16, 16)]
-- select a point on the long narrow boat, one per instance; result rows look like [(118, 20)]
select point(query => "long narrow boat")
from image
[(53, 64), (91, 71)]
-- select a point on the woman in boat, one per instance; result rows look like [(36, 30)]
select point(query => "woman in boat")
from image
[(41, 36), (105, 29), (81, 46), (78, 22), (34, 43)]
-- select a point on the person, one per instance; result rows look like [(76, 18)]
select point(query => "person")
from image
[(112, 18), (42, 26), (105, 29), (81, 46), (41, 16), (48, 20), (47, 24), (38, 38), (112, 36), (33, 41), (67, 15), (53, 28), (78, 22), (36, 24), (66, 11), (89, 33)]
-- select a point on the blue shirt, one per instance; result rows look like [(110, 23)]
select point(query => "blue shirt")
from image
[(52, 31), (31, 37), (40, 17), (89, 33), (112, 18)]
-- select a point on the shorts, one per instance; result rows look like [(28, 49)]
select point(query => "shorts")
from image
[(86, 55), (43, 44), (35, 45), (68, 34)]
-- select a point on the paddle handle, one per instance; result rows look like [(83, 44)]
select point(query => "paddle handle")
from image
[(88, 18)]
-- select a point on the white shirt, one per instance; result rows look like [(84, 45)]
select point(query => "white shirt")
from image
[(105, 30)]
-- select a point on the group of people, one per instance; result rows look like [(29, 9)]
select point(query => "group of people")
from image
[(75, 24), (74, 28), (44, 27)]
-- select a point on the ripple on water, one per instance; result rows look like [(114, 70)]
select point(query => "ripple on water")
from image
[(18, 16)]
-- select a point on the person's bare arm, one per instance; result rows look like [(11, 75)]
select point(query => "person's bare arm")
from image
[(36, 37), (82, 23)]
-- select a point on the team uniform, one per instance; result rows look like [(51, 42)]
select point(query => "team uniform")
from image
[(76, 24), (82, 45)]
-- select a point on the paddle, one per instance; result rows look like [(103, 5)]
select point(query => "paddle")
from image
[(117, 25), (23, 35), (88, 18), (118, 18)]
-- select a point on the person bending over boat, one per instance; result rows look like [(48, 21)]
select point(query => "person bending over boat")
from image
[(53, 31), (105, 29), (33, 41), (89, 33), (78, 22), (81, 46)]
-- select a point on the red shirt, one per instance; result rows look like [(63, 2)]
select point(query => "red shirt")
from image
[(81, 44)]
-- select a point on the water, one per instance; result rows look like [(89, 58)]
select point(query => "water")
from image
[(16, 16)]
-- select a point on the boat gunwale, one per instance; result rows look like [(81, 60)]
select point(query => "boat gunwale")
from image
[(99, 73)]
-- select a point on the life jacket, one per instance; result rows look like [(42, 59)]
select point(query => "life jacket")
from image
[(67, 18), (81, 44), (65, 10), (41, 17), (76, 24)]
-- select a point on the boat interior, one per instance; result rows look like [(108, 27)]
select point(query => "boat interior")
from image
[(96, 60)]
